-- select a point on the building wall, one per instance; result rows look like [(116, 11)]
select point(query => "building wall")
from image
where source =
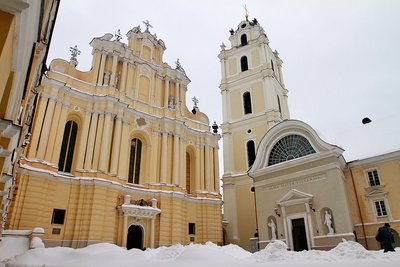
[(25, 33), (123, 97), (362, 196)]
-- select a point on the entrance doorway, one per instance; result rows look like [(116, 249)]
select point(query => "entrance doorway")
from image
[(299, 235), (135, 237)]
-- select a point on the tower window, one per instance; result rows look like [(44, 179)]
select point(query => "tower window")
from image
[(243, 63), (251, 152), (134, 161), (243, 39), (68, 146), (272, 65), (247, 103)]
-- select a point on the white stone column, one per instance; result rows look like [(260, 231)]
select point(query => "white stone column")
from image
[(166, 91), (216, 170), (105, 142), (114, 69), (163, 167), (310, 225), (83, 141), (207, 167), (124, 230), (90, 142), (122, 84), (102, 68), (152, 224), (53, 132), (197, 183), (116, 146), (176, 153), (46, 129), (177, 99)]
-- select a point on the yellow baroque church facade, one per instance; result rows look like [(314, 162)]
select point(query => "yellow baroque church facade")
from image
[(116, 156)]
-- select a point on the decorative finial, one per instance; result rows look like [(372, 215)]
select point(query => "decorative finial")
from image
[(246, 14), (178, 64), (215, 127), (195, 101), (147, 24), (74, 53), (118, 35), (223, 46)]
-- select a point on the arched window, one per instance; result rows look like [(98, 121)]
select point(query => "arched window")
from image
[(251, 152), (188, 173), (134, 161), (288, 148), (272, 65), (68, 146), (243, 63), (247, 103), (243, 39)]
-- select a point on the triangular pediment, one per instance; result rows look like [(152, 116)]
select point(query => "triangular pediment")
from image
[(294, 196), (376, 193)]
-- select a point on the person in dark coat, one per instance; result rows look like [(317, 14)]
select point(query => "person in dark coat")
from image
[(387, 237)]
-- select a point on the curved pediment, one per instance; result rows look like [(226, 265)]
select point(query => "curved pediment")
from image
[(289, 141)]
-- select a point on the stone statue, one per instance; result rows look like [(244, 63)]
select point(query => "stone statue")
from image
[(171, 103), (328, 222), (273, 229), (106, 80)]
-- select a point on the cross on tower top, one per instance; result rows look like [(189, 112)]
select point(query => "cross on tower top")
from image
[(74, 51), (118, 35), (147, 24), (195, 101), (246, 14)]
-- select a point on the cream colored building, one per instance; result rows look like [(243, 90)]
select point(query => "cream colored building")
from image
[(26, 28), (116, 156), (254, 99), (281, 180), (373, 184)]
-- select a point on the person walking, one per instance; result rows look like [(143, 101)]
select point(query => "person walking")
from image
[(386, 238)]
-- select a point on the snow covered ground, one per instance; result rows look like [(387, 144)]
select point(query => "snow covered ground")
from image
[(346, 254)]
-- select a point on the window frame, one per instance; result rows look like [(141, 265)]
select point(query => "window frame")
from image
[(68, 146), (243, 41), (53, 217), (135, 162), (191, 229), (248, 152), (367, 178), (385, 208), (243, 67), (247, 106)]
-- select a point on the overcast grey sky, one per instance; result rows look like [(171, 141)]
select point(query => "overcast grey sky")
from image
[(341, 58)]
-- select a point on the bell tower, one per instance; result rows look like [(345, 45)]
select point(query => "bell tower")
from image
[(254, 99)]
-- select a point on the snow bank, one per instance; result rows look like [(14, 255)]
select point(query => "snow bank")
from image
[(346, 254)]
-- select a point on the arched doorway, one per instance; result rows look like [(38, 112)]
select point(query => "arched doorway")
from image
[(135, 237)]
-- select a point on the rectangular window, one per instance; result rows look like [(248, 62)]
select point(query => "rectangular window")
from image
[(380, 208), (58, 216), (192, 228), (373, 178)]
